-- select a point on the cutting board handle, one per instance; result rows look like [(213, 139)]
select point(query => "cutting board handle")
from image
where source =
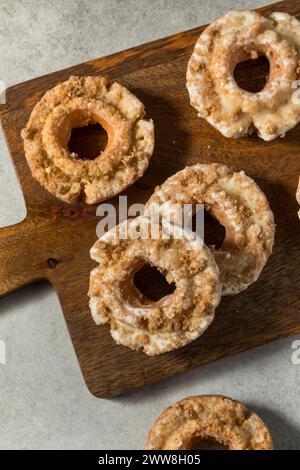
[(20, 262)]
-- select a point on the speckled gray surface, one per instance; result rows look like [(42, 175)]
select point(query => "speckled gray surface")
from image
[(43, 400)]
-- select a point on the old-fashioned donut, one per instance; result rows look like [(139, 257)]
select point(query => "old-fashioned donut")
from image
[(78, 102), (234, 38), (238, 204), (210, 417), (136, 322)]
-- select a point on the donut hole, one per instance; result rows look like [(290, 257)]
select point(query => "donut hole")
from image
[(151, 283), (214, 231), (252, 74), (208, 443), (88, 142)]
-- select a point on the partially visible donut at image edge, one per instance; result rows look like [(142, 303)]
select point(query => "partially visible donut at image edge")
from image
[(234, 38), (209, 417)]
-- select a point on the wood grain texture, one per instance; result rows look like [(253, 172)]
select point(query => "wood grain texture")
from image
[(53, 241)]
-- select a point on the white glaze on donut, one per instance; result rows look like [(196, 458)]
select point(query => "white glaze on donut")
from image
[(79, 102), (239, 205), (233, 38), (136, 322)]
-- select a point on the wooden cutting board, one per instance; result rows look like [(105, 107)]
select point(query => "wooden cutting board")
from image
[(53, 241)]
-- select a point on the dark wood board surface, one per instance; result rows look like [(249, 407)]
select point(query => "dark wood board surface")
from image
[(53, 241)]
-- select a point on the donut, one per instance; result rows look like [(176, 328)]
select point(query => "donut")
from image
[(238, 204), (136, 322), (234, 38), (208, 417), (79, 102)]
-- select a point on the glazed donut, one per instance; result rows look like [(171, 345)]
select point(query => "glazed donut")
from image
[(209, 417), (238, 204), (234, 38), (136, 322), (78, 102)]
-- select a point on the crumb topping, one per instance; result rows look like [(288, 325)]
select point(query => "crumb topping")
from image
[(219, 418), (78, 102), (233, 38), (136, 322), (237, 202)]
